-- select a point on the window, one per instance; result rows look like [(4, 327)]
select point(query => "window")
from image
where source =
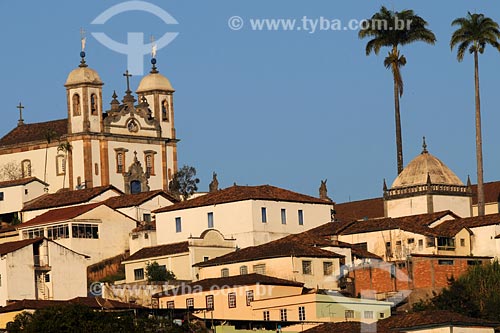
[(264, 214), (139, 274), (260, 269), (231, 300), (446, 243), (83, 230), (26, 168), (411, 241), (26, 191), (96, 169), (164, 110), (283, 216), (47, 278), (60, 165), (250, 296), (33, 233), (243, 270), (301, 216), (381, 315), (473, 262), (120, 161), (462, 242), (135, 236), (206, 258), (266, 315), (306, 267), (149, 161), (420, 244), (146, 217), (209, 300), (302, 313), (393, 271), (224, 272), (210, 217), (58, 231), (178, 224), (1, 196), (349, 314), (327, 268), (446, 262), (190, 303), (93, 104), (368, 314), (76, 105), (430, 242), (283, 315), (135, 187), (170, 305)]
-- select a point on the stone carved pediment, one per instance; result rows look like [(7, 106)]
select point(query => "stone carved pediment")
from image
[(120, 119)]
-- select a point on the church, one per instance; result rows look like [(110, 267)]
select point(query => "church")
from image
[(131, 146)]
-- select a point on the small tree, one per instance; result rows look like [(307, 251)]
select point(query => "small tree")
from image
[(184, 182), (11, 171), (157, 273)]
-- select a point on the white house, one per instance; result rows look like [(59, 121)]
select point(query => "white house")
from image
[(179, 257), (15, 193), (41, 269), (93, 229), (253, 215)]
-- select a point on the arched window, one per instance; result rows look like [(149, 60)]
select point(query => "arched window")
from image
[(164, 110), (60, 165), (149, 162), (243, 270), (26, 168), (224, 272), (76, 105), (93, 104), (119, 162)]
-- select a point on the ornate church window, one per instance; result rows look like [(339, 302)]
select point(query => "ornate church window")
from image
[(135, 187), (93, 104), (149, 162), (26, 168), (164, 110), (60, 165), (120, 162), (76, 105)]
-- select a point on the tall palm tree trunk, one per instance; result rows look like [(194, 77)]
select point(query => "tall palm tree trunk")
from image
[(399, 140), (479, 141), (45, 168)]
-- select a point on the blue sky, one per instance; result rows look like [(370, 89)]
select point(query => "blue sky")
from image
[(286, 108)]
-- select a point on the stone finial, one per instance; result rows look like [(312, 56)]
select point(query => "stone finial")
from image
[(385, 186), (323, 191), (469, 184), (214, 184), (424, 146), (429, 182)]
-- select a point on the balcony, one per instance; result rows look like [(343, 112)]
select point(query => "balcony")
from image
[(41, 263)]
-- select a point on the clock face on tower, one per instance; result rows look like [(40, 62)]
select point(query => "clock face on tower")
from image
[(132, 126)]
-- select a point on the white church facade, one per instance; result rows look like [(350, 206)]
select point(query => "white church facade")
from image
[(131, 146)]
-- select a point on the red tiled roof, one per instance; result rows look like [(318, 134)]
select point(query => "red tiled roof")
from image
[(241, 193), (229, 282), (479, 221), (18, 182), (491, 192), (160, 250), (405, 322), (92, 302), (66, 198), (61, 214), (14, 246), (285, 247), (357, 210), (130, 200), (34, 132)]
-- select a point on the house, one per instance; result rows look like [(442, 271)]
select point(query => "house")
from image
[(253, 215), (179, 257), (94, 229), (41, 269), (10, 311), (14, 193), (43, 203), (421, 322), (254, 301)]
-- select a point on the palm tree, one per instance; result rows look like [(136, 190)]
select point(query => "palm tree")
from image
[(49, 135), (394, 29), (65, 147), (474, 32)]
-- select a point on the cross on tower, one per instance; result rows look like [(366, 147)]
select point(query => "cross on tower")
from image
[(127, 75), (21, 120)]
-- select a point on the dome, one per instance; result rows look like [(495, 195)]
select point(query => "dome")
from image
[(83, 75), (154, 81), (423, 166)]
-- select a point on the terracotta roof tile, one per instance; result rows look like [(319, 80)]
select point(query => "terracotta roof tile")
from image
[(241, 193), (34, 132), (491, 192), (66, 198), (92, 302), (478, 221), (229, 282), (160, 250), (130, 200), (61, 214), (357, 210), (284, 247), (22, 181), (14, 246)]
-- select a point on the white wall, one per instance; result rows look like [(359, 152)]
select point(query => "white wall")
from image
[(20, 276)]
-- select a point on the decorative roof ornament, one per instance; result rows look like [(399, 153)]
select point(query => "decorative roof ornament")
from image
[(214, 184), (83, 40), (21, 120), (154, 49), (128, 93), (424, 146)]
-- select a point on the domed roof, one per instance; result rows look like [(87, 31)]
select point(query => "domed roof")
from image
[(83, 75), (423, 166), (154, 81)]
